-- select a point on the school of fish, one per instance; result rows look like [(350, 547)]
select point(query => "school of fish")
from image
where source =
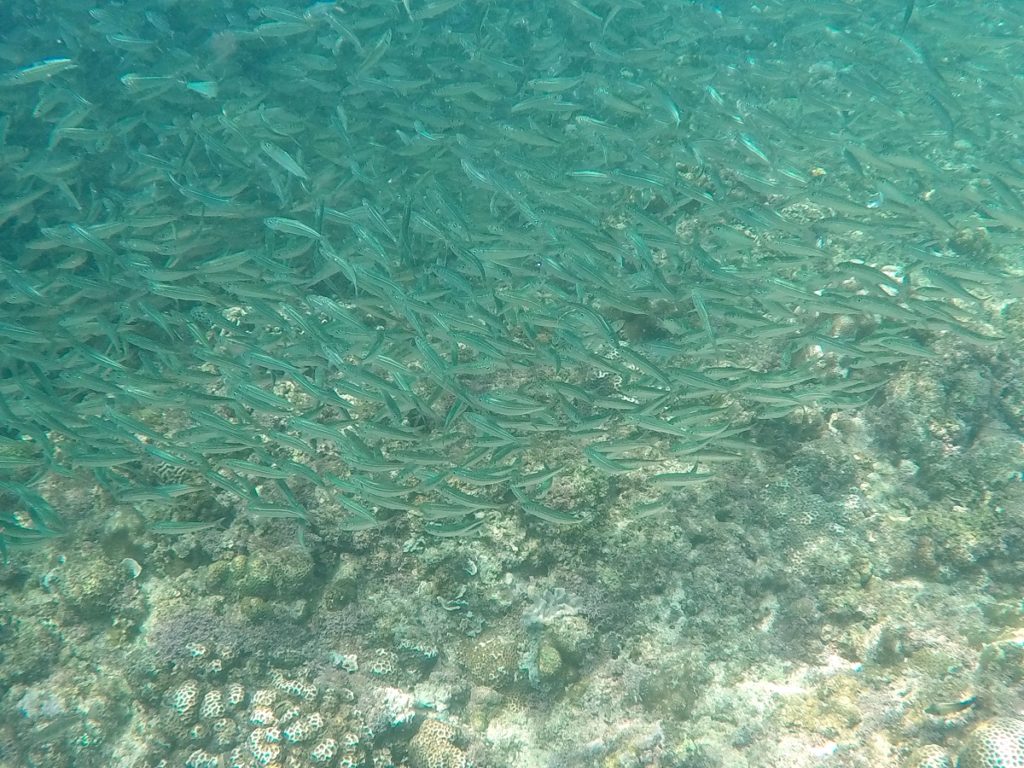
[(344, 263)]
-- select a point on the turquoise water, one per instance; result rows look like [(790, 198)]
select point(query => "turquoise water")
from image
[(555, 384)]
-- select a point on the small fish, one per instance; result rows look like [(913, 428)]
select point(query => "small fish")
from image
[(616, 103), (283, 159), (205, 88), (291, 227), (553, 84), (377, 52), (432, 10), (748, 141), (34, 73), (138, 83), (252, 469), (453, 529), (605, 463), (907, 13), (180, 527), (943, 709), (681, 479), (668, 104), (201, 196), (279, 29), (545, 513), (270, 511), (130, 43)]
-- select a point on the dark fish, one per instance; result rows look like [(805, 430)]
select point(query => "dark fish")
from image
[(944, 709)]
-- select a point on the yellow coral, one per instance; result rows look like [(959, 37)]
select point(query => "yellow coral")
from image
[(433, 747)]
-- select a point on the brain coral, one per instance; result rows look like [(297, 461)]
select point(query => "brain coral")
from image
[(996, 743), (433, 747), (931, 756)]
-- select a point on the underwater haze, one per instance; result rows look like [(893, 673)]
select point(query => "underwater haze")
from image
[(536, 384)]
